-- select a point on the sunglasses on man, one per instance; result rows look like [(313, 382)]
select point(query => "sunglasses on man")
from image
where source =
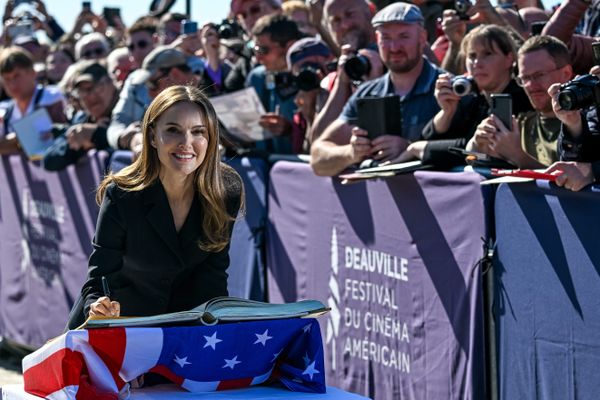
[(140, 44)]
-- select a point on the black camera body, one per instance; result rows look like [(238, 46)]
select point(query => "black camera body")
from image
[(356, 67), (463, 85), (229, 29), (579, 93), (288, 84), (461, 7)]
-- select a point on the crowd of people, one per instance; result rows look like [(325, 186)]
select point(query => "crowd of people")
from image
[(313, 65)]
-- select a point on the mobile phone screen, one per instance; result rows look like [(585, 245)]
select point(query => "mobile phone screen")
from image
[(502, 108)]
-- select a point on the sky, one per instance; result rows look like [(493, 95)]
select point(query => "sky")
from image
[(65, 11)]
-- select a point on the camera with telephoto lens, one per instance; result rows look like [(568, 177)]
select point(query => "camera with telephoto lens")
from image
[(229, 29), (288, 84), (579, 93), (356, 67), (462, 85)]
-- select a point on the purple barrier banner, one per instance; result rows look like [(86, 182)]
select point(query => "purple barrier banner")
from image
[(47, 222), (396, 260)]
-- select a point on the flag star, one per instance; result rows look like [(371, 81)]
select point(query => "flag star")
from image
[(262, 339), (311, 370), (212, 341), (231, 363), (306, 329), (181, 361), (306, 359), (275, 355)]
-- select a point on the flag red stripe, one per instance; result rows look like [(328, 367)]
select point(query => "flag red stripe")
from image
[(110, 344), (234, 384), (62, 368), (167, 373)]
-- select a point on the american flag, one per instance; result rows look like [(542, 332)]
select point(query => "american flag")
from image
[(98, 363)]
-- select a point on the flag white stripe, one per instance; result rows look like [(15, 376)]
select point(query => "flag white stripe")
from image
[(142, 351), (66, 393), (100, 375), (70, 340)]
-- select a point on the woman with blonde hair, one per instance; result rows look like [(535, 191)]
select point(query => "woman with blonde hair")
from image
[(165, 222)]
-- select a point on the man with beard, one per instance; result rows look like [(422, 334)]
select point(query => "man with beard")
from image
[(401, 39), (532, 143)]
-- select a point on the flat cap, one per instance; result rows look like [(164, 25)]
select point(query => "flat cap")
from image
[(89, 71), (159, 58), (398, 12)]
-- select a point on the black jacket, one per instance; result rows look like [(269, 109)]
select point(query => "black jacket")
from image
[(152, 269)]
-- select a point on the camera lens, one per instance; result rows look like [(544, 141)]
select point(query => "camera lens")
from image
[(357, 67), (463, 85), (307, 79), (225, 32), (567, 100)]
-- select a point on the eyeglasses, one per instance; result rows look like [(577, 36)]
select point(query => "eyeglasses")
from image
[(538, 76), (254, 10), (90, 53), (141, 44), (152, 83)]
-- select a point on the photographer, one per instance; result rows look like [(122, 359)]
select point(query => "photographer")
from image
[(532, 143), (349, 22), (273, 35), (578, 143), (307, 59), (401, 39), (215, 70), (490, 54)]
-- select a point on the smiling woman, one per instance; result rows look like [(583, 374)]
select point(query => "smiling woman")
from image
[(165, 223)]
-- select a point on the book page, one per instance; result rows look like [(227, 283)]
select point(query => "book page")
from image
[(34, 133), (239, 112)]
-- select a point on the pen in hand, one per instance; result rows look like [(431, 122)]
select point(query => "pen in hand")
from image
[(105, 287)]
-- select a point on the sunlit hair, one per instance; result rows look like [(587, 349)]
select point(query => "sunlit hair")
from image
[(208, 178), (488, 36)]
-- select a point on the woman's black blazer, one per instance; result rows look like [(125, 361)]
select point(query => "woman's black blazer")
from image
[(150, 267)]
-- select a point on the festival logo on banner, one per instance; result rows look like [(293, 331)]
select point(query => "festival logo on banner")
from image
[(41, 236), (365, 322)]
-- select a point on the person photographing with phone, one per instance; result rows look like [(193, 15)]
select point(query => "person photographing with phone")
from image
[(532, 141), (163, 231), (490, 53)]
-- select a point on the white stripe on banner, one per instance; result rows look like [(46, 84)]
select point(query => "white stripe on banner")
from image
[(197, 387), (66, 393), (70, 340), (142, 351), (261, 378)]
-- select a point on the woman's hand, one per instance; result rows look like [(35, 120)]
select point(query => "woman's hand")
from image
[(444, 94), (104, 307)]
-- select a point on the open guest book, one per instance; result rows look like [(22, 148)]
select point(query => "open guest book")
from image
[(219, 309)]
